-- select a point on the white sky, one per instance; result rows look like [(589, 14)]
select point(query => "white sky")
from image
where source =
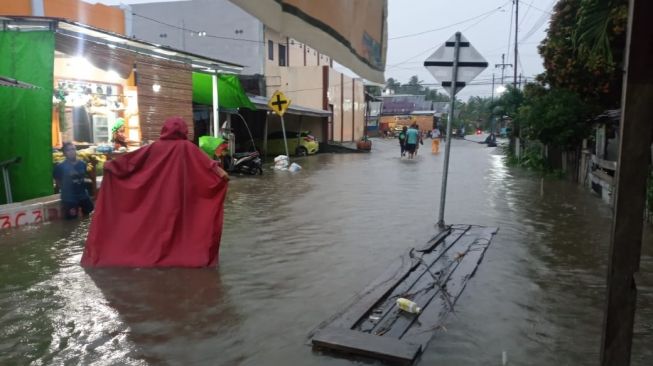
[(484, 26)]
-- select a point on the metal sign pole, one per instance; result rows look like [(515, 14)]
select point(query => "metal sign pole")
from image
[(285, 140), (445, 172)]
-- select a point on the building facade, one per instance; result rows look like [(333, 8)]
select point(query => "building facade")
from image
[(109, 18), (273, 61)]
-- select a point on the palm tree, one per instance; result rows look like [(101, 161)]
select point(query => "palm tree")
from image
[(597, 23)]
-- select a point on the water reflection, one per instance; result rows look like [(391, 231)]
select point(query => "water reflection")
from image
[(178, 316)]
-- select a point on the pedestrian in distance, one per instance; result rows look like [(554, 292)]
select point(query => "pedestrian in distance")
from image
[(402, 141), (435, 141), (412, 139), (70, 175)]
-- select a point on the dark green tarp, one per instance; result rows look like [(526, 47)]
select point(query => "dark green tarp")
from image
[(26, 114), (230, 93)]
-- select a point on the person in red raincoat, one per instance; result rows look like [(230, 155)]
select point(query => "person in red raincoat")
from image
[(159, 206)]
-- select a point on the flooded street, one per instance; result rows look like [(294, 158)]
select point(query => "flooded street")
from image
[(297, 247)]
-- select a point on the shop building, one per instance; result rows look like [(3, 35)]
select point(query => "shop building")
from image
[(404, 110), (87, 79)]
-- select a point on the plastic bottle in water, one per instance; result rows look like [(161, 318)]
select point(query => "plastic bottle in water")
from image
[(408, 306)]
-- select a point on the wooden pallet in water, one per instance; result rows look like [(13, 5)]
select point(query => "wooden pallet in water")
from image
[(432, 276)]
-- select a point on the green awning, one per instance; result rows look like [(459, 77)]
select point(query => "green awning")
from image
[(230, 93)]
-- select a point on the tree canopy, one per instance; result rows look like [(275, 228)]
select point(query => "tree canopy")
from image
[(414, 87), (584, 47)]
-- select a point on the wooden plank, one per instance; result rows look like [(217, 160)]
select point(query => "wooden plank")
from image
[(599, 174), (443, 270), (436, 312), (364, 344), (420, 278), (383, 306), (174, 98), (436, 240), (604, 164), (367, 298), (437, 277), (634, 158)]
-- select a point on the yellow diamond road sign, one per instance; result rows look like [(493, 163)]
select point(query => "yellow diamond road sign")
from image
[(279, 103)]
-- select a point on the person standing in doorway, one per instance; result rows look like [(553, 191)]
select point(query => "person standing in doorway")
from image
[(435, 141), (412, 138), (402, 141), (70, 176)]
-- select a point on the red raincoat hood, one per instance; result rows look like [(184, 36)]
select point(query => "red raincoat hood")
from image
[(174, 128)]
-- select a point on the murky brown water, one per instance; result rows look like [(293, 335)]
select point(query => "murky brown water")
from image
[(296, 248)]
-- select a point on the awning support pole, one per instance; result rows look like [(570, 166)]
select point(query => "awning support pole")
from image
[(216, 106)]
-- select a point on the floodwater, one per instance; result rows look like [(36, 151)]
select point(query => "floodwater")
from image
[(297, 247)]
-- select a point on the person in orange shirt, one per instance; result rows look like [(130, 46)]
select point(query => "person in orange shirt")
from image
[(435, 141)]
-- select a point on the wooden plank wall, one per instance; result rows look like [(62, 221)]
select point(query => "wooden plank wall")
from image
[(101, 56), (174, 99)]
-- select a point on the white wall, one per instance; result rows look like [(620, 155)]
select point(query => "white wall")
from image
[(218, 18)]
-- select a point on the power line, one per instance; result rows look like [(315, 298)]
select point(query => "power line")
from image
[(450, 25), (538, 24), (542, 10), (199, 33), (408, 59), (523, 18), (475, 24), (510, 29)]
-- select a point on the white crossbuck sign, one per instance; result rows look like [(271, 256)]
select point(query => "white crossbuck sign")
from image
[(470, 63)]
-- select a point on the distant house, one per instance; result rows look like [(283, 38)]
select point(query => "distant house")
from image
[(404, 110)]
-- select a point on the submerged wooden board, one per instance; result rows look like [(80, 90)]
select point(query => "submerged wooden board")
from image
[(433, 276), (387, 349)]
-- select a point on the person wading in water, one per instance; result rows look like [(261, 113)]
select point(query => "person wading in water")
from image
[(402, 140)]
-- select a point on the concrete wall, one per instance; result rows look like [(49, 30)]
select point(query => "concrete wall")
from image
[(298, 56), (16, 7), (303, 85), (241, 34), (303, 55), (348, 100)]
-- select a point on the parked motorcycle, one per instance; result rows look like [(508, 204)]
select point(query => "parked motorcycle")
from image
[(245, 163)]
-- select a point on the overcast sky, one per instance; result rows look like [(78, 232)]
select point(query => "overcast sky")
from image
[(485, 23)]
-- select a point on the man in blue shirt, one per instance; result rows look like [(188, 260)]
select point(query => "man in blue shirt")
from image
[(70, 178), (412, 137)]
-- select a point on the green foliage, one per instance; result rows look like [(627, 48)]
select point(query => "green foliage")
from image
[(373, 90), (475, 113), (508, 103), (415, 87), (583, 50), (555, 117)]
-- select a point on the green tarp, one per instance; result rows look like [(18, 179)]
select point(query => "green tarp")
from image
[(230, 93), (26, 114)]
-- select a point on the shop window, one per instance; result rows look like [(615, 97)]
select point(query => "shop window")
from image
[(271, 50), (282, 55), (90, 109)]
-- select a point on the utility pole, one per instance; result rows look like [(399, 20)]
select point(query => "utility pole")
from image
[(636, 135), (502, 65), (520, 84), (492, 87), (514, 80)]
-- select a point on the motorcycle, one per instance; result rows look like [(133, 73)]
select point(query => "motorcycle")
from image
[(244, 163)]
